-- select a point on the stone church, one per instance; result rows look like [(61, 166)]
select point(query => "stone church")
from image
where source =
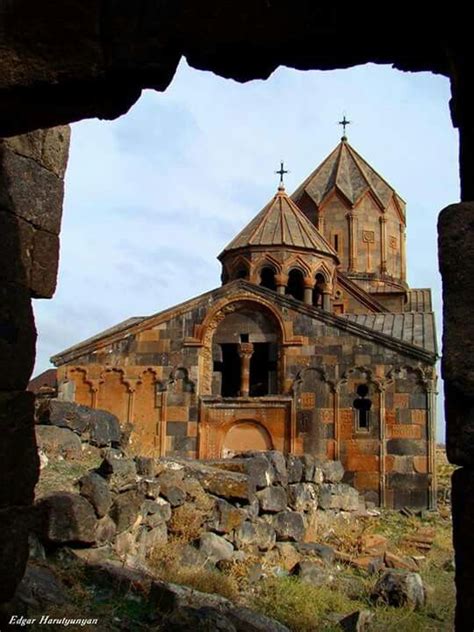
[(313, 343)]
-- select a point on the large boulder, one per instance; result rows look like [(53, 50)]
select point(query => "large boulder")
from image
[(173, 487), (226, 517), (398, 588), (100, 427), (56, 441), (312, 573), (66, 518), (294, 465), (256, 467), (95, 489), (40, 589)]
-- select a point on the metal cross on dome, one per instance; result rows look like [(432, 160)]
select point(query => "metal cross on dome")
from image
[(344, 124), (282, 172)]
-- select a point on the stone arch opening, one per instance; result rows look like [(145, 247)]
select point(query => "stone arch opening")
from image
[(246, 436), (267, 277), (320, 282), (295, 286), (245, 353)]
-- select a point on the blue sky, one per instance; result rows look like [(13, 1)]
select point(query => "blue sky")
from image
[(154, 196)]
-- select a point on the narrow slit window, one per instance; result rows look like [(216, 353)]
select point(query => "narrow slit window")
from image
[(336, 243), (362, 405)]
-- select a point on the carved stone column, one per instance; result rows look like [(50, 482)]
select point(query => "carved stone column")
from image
[(281, 281), (308, 290), (245, 353)]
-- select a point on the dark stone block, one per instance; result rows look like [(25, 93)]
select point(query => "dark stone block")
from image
[(157, 359), (19, 463), (404, 416), (17, 337), (406, 447), (185, 444), (193, 413), (15, 525), (176, 429), (463, 528), (418, 400)]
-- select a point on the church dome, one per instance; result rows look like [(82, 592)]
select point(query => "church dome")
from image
[(282, 250)]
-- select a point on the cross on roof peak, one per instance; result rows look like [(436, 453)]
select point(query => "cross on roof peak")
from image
[(281, 173), (344, 124)]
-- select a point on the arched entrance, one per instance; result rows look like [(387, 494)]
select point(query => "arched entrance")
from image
[(246, 436)]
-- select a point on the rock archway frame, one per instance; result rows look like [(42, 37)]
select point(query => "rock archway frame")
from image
[(68, 61)]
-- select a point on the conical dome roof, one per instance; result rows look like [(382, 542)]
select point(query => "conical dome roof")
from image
[(281, 223), (346, 171)]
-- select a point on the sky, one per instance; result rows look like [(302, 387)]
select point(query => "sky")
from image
[(153, 197)]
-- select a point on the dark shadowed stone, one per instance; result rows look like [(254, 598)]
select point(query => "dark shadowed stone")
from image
[(65, 517), (302, 497), (404, 447), (295, 468), (259, 534), (19, 461), (173, 487), (125, 509), (399, 588), (215, 548), (226, 517), (204, 619), (58, 441), (463, 530), (333, 471), (272, 499), (95, 489), (17, 338), (289, 526), (311, 573), (15, 524), (120, 472), (322, 551), (40, 589)]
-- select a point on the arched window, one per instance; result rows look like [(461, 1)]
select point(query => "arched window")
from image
[(267, 278), (362, 405), (318, 291), (295, 287), (242, 272)]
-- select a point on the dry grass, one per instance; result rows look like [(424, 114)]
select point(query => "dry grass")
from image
[(61, 474)]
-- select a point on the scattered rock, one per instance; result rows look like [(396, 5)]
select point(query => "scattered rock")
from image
[(167, 597), (228, 485), (65, 517), (215, 547), (105, 531), (246, 620), (307, 460), (403, 563), (368, 563), (147, 539), (373, 544), (156, 511), (145, 466), (397, 588), (288, 556), (312, 573), (358, 621), (95, 489), (322, 551), (257, 468), (40, 589)]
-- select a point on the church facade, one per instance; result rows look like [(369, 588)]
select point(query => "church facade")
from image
[(314, 343)]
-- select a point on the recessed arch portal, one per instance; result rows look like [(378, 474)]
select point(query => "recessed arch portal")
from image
[(246, 436)]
